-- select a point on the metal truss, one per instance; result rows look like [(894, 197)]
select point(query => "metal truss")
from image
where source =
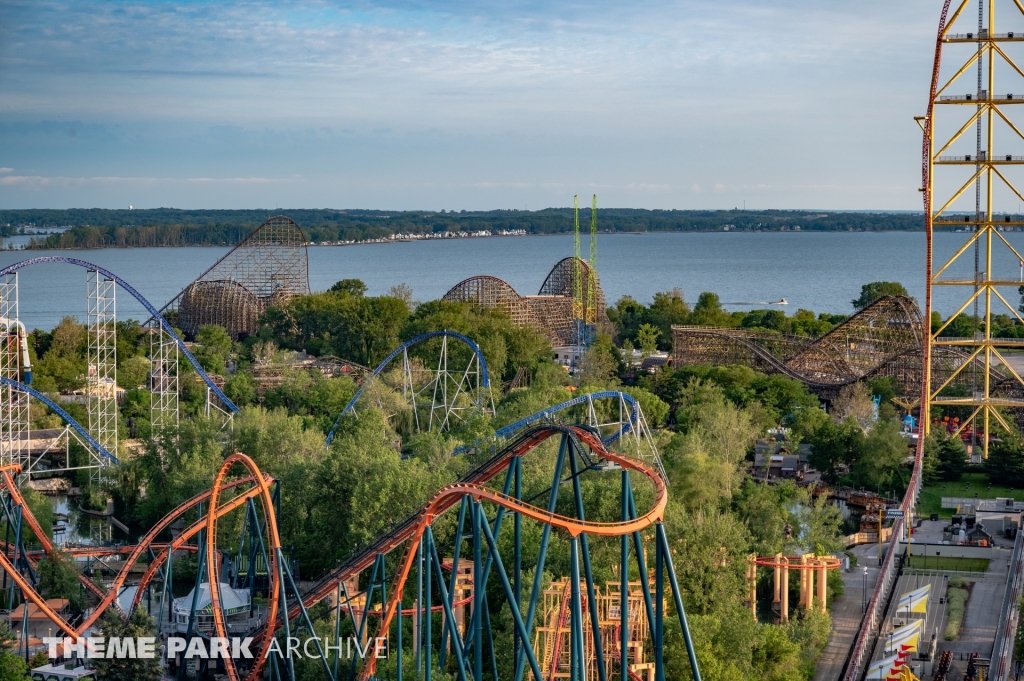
[(266, 268), (101, 285), (408, 572), (101, 362), (14, 405), (440, 398), (163, 379), (882, 340), (551, 311), (615, 416), (954, 163)]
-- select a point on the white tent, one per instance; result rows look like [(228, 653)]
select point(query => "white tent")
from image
[(233, 600)]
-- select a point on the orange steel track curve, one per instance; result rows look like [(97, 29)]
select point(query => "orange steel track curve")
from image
[(450, 495), (827, 562), (408, 534)]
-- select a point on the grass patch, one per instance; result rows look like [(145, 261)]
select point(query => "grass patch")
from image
[(931, 495), (956, 597), (948, 563)]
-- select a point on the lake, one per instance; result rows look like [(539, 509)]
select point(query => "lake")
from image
[(820, 271)]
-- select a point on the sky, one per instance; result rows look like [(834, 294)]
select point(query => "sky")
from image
[(463, 104)]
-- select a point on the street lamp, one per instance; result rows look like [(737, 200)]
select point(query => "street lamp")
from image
[(864, 590)]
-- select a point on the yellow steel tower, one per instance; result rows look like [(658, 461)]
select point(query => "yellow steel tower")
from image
[(972, 150), (592, 275)]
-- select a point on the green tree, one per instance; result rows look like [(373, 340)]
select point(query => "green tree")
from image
[(930, 473), (709, 311), (647, 337), (804, 423), (627, 315), (1005, 461), (141, 625), (12, 666), (352, 287), (834, 445), (241, 389), (133, 372), (214, 348), (59, 578), (704, 462), (884, 452), (869, 293), (952, 458), (667, 308)]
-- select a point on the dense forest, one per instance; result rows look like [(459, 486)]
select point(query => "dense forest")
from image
[(378, 469), (94, 228)]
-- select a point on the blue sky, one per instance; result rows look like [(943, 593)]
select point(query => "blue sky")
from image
[(463, 104)]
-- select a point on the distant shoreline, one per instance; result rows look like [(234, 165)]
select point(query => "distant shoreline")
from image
[(368, 242)]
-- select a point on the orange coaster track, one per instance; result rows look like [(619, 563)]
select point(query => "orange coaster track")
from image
[(414, 561)]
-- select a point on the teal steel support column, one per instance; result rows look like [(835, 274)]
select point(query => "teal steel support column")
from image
[(517, 616), (478, 597), (290, 664), (428, 545), (577, 662), (588, 574), (453, 628), (201, 561), (366, 609), (463, 505), (400, 597), (498, 517), (490, 639), (658, 632), (348, 608), (337, 630), (517, 557), (418, 638), (543, 551), (303, 613), (624, 584), (677, 596), (641, 561)]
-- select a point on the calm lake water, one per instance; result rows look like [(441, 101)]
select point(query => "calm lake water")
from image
[(817, 271)]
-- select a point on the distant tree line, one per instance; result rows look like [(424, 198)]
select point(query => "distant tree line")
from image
[(95, 228)]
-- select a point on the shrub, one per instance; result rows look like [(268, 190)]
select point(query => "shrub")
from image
[(956, 598)]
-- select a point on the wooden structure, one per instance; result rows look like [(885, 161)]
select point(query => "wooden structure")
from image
[(551, 311), (807, 565), (552, 637), (266, 268)]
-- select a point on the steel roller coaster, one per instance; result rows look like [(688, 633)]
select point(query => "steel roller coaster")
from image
[(993, 389), (402, 574), (100, 435)]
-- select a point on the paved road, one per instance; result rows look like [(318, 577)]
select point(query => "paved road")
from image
[(980, 621), (847, 613)]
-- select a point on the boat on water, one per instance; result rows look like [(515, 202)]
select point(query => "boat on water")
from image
[(780, 301)]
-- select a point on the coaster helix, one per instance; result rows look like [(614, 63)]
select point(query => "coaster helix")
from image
[(386, 581)]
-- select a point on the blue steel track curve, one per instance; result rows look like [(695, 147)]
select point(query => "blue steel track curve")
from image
[(145, 303), (63, 414), (397, 351), (545, 413)]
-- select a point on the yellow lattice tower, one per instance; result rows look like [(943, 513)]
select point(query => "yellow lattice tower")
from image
[(591, 316), (577, 264), (965, 371)]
